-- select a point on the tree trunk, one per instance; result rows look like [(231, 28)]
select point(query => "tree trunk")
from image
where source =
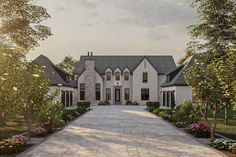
[(28, 119), (226, 114), (213, 127)]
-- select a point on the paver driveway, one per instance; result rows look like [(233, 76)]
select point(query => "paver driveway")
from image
[(120, 131)]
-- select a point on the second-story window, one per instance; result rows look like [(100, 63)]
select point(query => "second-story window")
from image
[(126, 76), (117, 75), (145, 77), (108, 76)]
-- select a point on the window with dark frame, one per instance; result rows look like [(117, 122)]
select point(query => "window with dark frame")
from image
[(108, 76), (145, 77), (164, 98), (144, 94), (82, 91), (108, 94), (71, 98), (168, 99), (127, 94), (63, 100), (126, 76), (117, 75), (98, 91)]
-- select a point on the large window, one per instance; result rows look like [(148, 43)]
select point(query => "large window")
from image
[(108, 76), (145, 77), (82, 91), (145, 94), (164, 99), (67, 98), (117, 75), (126, 76), (98, 91), (127, 94), (168, 99), (108, 94)]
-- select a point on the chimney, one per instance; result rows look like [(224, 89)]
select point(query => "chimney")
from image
[(91, 53), (88, 53)]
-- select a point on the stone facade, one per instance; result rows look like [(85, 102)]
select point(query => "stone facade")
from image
[(90, 81)]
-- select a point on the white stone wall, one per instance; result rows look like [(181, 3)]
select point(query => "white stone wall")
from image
[(53, 89), (138, 84)]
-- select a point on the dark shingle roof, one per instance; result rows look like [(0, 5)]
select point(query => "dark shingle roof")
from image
[(162, 64), (176, 77), (55, 74)]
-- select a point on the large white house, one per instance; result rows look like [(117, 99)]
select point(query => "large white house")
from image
[(118, 79)]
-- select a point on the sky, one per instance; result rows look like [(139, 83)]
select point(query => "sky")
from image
[(116, 27)]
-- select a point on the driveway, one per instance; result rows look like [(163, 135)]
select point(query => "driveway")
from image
[(120, 131)]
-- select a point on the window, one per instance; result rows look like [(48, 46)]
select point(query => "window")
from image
[(98, 91), (82, 91), (168, 99), (172, 99), (164, 98), (145, 94), (63, 101), (108, 76), (126, 76), (108, 94), (145, 77), (117, 75), (127, 93)]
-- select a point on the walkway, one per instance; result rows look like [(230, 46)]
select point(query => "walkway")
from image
[(120, 131)]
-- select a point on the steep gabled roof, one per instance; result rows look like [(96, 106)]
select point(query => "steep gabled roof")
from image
[(55, 74), (162, 64), (176, 77)]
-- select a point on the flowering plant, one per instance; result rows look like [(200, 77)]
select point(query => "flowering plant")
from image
[(14, 144), (42, 129), (199, 130)]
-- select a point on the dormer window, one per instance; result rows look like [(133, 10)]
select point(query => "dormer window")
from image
[(108, 76), (117, 76), (126, 76)]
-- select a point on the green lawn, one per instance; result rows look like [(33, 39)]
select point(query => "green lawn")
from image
[(226, 130), (15, 124)]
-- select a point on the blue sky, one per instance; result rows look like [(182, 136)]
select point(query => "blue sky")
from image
[(116, 27)]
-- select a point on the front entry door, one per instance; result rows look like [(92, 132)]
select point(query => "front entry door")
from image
[(117, 95)]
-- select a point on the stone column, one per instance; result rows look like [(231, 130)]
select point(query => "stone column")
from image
[(90, 81)]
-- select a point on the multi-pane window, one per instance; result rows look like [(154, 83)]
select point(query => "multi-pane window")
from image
[(145, 94), (126, 76), (127, 94), (164, 99), (98, 91), (82, 91), (168, 99), (173, 99), (117, 75), (67, 98), (108, 76), (145, 77), (108, 94)]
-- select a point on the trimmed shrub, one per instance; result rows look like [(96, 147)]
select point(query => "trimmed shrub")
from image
[(70, 114), (151, 105), (104, 103), (83, 106), (130, 103), (51, 113)]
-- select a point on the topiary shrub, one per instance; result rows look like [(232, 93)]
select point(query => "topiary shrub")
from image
[(130, 103), (187, 113), (152, 105), (51, 113), (104, 103), (83, 106)]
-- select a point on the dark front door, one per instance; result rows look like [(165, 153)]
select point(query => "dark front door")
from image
[(117, 95)]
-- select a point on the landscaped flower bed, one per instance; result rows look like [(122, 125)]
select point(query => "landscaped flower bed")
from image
[(199, 130), (225, 144)]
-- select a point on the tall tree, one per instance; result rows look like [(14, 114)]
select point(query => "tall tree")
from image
[(186, 56), (68, 64), (20, 23), (215, 37)]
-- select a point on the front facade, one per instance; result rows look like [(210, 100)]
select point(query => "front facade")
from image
[(117, 79)]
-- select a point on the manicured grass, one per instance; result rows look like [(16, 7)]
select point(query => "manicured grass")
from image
[(14, 124), (221, 114)]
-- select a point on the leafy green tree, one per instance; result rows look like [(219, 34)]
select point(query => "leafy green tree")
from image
[(34, 90), (20, 23), (183, 59), (10, 72), (215, 37), (68, 64)]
